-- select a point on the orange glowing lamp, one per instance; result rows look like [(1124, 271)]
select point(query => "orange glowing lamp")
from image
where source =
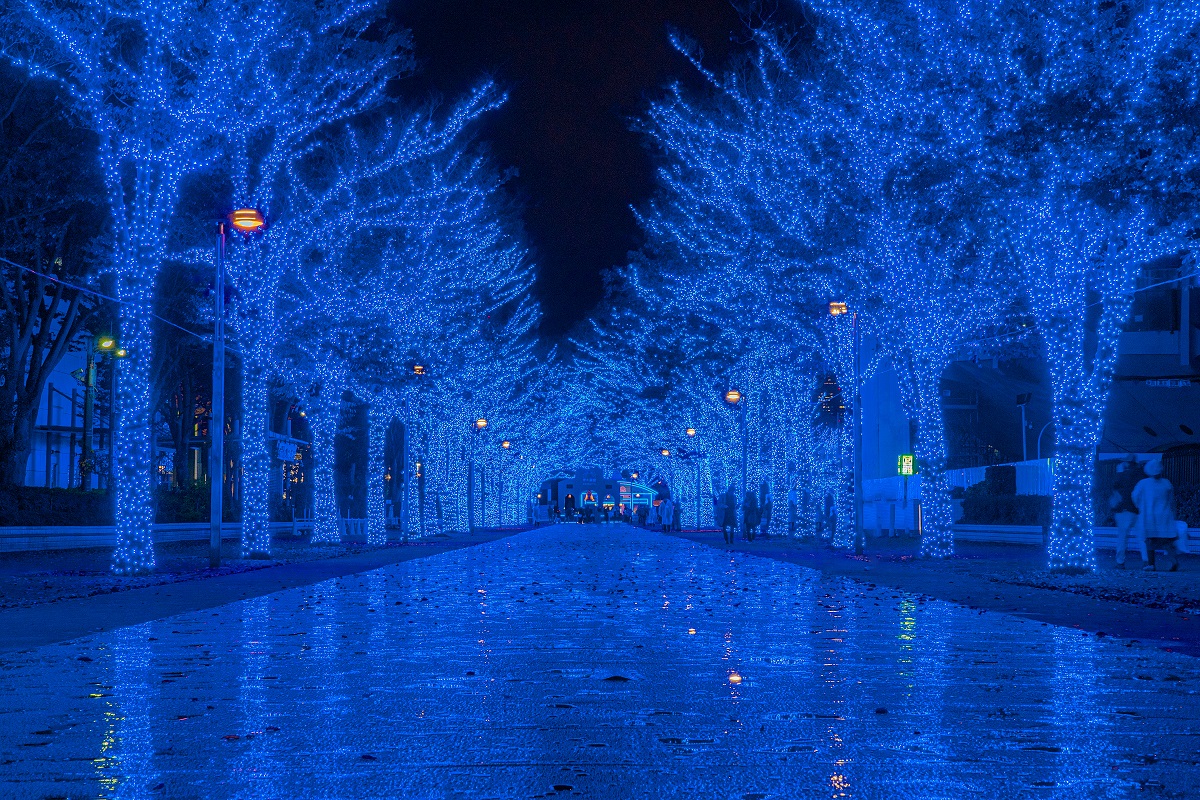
[(247, 220)]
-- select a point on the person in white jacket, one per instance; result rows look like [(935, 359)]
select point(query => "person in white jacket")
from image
[(666, 512), (1155, 500)]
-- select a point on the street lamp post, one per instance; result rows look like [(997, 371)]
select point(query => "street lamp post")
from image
[(476, 426), (105, 344), (418, 370), (216, 425), (247, 220), (693, 457), (1022, 401), (505, 446), (859, 533), (739, 401), (837, 309), (1042, 433), (89, 416), (691, 432)]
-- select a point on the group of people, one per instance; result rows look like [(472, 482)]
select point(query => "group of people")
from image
[(661, 517), (1143, 505), (756, 517)]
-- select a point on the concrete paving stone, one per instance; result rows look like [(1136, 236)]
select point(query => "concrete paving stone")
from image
[(603, 662)]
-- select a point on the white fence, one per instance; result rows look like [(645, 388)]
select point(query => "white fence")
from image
[(1033, 477), (21, 539)]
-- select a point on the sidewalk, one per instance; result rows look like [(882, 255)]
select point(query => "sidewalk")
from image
[(46, 600), (1161, 608)]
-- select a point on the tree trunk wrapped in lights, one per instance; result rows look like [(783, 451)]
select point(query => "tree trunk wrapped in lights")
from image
[(379, 420), (1080, 265), (326, 413), (149, 141)]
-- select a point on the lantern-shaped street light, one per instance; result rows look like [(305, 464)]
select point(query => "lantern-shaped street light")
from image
[(691, 432), (665, 452)]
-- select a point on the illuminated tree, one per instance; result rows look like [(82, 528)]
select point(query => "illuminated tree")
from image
[(294, 72), (337, 195), (1082, 89), (135, 71)]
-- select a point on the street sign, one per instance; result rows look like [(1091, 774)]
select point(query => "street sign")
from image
[(906, 464)]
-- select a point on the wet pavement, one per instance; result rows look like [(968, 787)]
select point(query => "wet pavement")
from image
[(597, 661)]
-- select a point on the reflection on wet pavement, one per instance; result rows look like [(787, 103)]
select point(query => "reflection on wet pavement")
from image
[(597, 662)]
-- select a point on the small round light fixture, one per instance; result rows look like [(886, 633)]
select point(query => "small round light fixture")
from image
[(665, 451), (418, 369), (733, 397), (247, 220), (691, 431), (480, 424), (106, 343), (506, 444), (122, 352)]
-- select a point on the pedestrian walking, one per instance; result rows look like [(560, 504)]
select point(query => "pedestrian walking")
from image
[(751, 516), (653, 520), (793, 498), (718, 501), (642, 513), (1129, 473), (729, 518), (768, 505), (667, 514), (1155, 500)]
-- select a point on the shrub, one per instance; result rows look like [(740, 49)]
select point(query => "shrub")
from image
[(191, 505), (1001, 480), (981, 507), (182, 505), (1187, 506), (37, 506)]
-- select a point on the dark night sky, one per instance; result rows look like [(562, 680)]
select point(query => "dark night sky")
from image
[(576, 73)]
